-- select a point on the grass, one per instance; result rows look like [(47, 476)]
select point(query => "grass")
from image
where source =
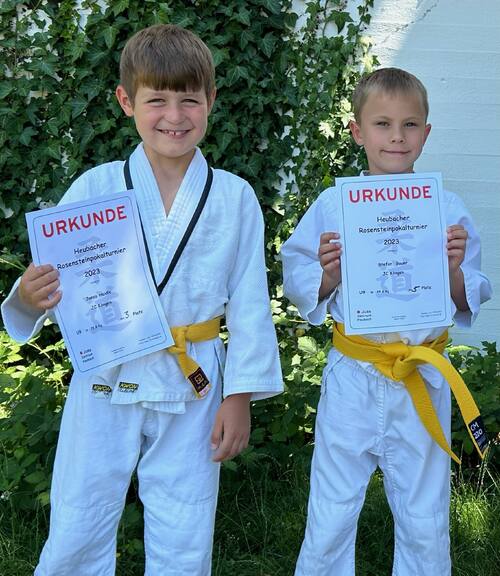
[(260, 524)]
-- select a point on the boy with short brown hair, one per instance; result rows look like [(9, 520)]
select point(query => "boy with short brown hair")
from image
[(365, 418), (146, 414)]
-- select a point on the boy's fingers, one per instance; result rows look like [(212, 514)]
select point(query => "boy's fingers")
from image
[(42, 282), (457, 231), (222, 451), (52, 301), (327, 236), (215, 437), (329, 248), (329, 257), (45, 291), (33, 272), (231, 447)]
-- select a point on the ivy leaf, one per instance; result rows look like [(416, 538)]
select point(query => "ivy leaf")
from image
[(78, 105), (223, 141), (219, 55), (109, 36), (53, 150), (120, 6), (26, 135), (47, 68), (235, 74), (5, 89), (53, 126), (267, 44), (243, 16), (340, 19), (245, 37), (86, 133), (273, 6)]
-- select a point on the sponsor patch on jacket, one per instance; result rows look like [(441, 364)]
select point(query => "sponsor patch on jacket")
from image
[(101, 390), (128, 387)]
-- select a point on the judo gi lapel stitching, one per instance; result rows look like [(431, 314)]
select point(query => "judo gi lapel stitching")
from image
[(194, 332), (187, 233)]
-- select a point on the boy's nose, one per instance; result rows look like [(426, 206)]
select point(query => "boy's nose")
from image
[(173, 114), (397, 136)]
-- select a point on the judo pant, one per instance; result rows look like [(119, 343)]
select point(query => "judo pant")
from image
[(365, 420), (100, 445)]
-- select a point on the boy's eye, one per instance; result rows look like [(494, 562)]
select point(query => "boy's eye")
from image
[(382, 123), (190, 101), (411, 124), (155, 101)]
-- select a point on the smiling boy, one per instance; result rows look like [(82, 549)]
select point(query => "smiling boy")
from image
[(154, 417), (366, 419)]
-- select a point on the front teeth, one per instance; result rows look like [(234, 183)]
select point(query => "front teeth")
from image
[(173, 132)]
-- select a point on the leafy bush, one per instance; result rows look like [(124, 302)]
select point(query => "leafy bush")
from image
[(280, 121), (480, 370), (32, 392)]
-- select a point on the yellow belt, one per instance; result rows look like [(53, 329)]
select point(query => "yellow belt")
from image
[(399, 362), (194, 333)]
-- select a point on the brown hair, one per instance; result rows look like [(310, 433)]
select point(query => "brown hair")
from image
[(166, 57), (391, 81)]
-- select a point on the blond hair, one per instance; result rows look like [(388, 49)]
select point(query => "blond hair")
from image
[(166, 57), (390, 81)]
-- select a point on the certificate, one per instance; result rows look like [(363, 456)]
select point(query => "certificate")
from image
[(394, 261), (110, 311)]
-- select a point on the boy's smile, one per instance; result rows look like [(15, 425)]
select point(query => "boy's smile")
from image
[(393, 131), (170, 123)]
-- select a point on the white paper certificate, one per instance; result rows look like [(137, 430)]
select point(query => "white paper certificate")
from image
[(110, 311), (394, 261)]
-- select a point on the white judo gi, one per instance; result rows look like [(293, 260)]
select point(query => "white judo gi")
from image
[(365, 420), (158, 425)]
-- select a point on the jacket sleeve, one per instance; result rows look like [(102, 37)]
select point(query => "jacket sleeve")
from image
[(477, 285), (21, 323), (252, 362), (302, 271)]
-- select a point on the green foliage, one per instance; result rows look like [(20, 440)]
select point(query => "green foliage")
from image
[(280, 121), (260, 525), (31, 396), (59, 116), (480, 370)]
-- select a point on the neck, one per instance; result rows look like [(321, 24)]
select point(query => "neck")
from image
[(169, 173)]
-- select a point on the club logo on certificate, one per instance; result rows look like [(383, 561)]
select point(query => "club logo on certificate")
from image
[(394, 261)]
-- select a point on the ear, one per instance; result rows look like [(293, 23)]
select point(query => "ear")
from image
[(426, 131), (211, 100), (356, 132), (124, 100)]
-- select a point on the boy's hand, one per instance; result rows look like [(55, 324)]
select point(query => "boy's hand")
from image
[(38, 287), (329, 252), (457, 239), (231, 430)]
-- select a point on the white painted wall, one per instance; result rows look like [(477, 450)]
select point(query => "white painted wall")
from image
[(453, 46)]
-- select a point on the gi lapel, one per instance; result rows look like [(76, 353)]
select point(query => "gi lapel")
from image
[(167, 235)]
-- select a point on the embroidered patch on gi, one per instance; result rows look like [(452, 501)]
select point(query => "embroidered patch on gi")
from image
[(128, 387), (101, 390), (478, 431), (199, 382)]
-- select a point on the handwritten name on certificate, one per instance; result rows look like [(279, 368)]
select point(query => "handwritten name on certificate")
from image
[(110, 311), (394, 261)]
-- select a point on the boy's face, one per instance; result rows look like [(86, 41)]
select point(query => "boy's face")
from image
[(170, 123), (393, 131)]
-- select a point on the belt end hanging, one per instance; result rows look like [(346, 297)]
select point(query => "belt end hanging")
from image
[(478, 435)]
